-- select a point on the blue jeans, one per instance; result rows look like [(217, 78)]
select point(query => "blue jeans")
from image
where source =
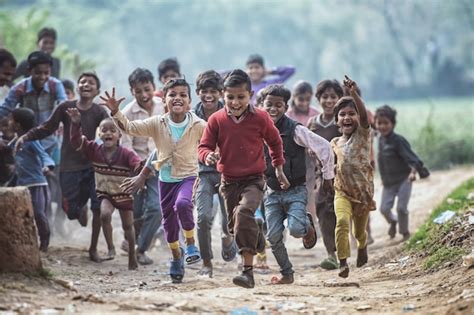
[(281, 205), (147, 210)]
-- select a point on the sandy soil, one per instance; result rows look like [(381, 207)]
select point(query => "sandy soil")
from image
[(391, 283)]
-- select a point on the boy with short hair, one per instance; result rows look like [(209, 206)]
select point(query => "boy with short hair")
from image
[(147, 211), (69, 88), (76, 172), (46, 43), (290, 204), (239, 131), (167, 69), (176, 135), (258, 73), (209, 86), (7, 70)]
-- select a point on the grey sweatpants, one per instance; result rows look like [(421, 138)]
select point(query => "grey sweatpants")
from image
[(403, 192)]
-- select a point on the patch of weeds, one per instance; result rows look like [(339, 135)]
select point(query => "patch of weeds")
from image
[(43, 273), (442, 255)]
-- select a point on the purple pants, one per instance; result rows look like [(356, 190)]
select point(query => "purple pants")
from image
[(40, 200), (177, 207)]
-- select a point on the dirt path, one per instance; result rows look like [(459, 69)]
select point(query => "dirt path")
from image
[(386, 285)]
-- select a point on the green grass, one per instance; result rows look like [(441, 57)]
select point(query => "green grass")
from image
[(427, 238)]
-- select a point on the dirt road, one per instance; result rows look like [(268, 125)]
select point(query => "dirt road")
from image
[(389, 284)]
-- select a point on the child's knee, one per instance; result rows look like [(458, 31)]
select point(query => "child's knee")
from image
[(127, 227), (106, 217), (274, 236), (297, 230), (183, 205)]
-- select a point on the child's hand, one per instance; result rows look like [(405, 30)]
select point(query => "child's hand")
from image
[(352, 85), (412, 177), (280, 175), (328, 186), (212, 158), (19, 143), (312, 154), (131, 185), (110, 101), (47, 171), (74, 115)]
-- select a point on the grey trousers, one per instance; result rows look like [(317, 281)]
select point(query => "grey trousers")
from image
[(402, 192)]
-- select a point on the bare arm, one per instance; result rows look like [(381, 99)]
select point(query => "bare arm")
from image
[(352, 85)]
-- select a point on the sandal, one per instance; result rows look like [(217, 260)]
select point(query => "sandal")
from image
[(284, 279), (229, 251), (192, 255), (177, 269), (312, 241)]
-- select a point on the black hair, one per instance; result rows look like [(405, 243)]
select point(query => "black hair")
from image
[(209, 79), (47, 32), (345, 101), (6, 56), (90, 74), (259, 98), (387, 112), (301, 87), (140, 75), (168, 64), (25, 117), (176, 82), (329, 84), (68, 84), (255, 58), (276, 90), (237, 77), (39, 58)]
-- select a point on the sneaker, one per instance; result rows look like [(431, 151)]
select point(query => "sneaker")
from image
[(83, 216), (143, 259), (392, 231), (245, 279)]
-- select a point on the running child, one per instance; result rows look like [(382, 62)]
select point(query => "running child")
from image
[(112, 164), (176, 135), (300, 106), (239, 132), (354, 183)]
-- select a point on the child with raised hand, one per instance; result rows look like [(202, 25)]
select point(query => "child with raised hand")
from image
[(300, 105), (354, 183), (290, 204), (112, 164), (398, 165), (31, 164), (239, 131), (176, 135)]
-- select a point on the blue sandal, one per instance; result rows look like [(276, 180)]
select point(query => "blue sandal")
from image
[(177, 269), (192, 255), (229, 252)]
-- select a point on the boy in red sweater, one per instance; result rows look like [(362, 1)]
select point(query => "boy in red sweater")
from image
[(238, 131)]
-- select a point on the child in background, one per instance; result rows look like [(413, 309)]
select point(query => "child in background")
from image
[(167, 69), (300, 106), (46, 43), (398, 166), (176, 135), (31, 163), (354, 183), (209, 86), (291, 204), (7, 70), (7, 160), (239, 132), (112, 164), (69, 88), (258, 73), (328, 92)]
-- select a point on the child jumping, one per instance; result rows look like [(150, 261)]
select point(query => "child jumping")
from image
[(112, 164), (290, 204), (354, 183), (239, 132), (176, 135), (398, 166)]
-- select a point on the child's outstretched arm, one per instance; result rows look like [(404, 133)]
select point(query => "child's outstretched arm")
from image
[(364, 120), (78, 141), (282, 74)]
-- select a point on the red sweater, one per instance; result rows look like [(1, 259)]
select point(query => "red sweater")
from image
[(241, 144)]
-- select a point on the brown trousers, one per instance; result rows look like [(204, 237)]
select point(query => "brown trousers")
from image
[(241, 200)]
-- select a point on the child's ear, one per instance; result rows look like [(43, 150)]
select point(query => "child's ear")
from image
[(251, 93), (286, 107)]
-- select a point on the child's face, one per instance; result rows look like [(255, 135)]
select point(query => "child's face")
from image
[(383, 125), (177, 100), (237, 99), (209, 97), (87, 87), (6, 74), (348, 120), (302, 101), (40, 74), (47, 45), (328, 100), (7, 128), (70, 94), (109, 134), (168, 75), (143, 92), (255, 71), (275, 107)]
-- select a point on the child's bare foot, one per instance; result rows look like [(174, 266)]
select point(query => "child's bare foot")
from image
[(284, 279), (206, 269), (110, 255), (132, 264), (94, 256)]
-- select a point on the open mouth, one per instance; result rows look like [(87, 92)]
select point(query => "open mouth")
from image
[(108, 138)]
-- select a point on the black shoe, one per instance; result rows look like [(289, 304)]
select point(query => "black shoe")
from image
[(392, 231), (245, 279), (260, 236), (362, 257)]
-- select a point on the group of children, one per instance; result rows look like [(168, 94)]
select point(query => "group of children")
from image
[(253, 143)]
